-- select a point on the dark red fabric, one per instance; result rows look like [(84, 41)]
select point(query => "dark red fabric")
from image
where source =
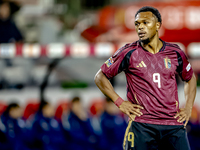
[(151, 80)]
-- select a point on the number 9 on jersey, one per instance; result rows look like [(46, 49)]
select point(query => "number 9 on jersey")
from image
[(156, 79)]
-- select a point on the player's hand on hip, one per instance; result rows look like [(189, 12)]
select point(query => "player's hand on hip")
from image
[(131, 109), (183, 115)]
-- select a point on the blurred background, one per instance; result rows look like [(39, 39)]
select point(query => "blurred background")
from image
[(50, 51)]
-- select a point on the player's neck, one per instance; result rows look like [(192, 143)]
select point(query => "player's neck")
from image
[(153, 46)]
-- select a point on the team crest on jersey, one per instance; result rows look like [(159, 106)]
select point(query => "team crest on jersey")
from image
[(167, 63), (109, 62)]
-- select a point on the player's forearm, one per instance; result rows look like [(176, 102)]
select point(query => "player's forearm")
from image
[(105, 86), (190, 92)]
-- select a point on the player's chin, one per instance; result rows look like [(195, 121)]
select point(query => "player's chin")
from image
[(144, 40)]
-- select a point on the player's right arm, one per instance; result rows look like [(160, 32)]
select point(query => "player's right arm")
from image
[(107, 89)]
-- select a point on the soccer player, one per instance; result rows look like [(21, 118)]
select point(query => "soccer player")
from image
[(150, 66)]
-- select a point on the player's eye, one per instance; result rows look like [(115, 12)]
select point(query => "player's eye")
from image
[(146, 22), (136, 24)]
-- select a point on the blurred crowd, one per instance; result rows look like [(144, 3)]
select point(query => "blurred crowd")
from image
[(41, 126), (8, 29), (193, 129)]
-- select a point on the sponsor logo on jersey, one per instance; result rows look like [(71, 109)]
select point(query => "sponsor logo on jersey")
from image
[(188, 67), (167, 63), (109, 62), (142, 64)]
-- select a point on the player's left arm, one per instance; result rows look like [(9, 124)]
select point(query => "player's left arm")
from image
[(190, 94)]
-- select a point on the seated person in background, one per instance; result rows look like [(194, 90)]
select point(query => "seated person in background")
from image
[(9, 33), (113, 127), (8, 29), (46, 132), (13, 128), (78, 128), (193, 129)]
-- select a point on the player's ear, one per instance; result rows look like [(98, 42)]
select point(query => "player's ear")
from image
[(158, 25)]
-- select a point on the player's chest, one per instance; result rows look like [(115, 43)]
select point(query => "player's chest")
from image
[(147, 65)]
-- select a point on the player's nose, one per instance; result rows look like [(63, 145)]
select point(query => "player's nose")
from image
[(141, 26)]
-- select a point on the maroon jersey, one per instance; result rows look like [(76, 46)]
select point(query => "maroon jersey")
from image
[(151, 80)]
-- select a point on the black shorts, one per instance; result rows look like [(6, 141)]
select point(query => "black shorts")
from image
[(144, 136)]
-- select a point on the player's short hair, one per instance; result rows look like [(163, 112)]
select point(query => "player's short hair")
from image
[(151, 9), (76, 99), (10, 106), (42, 105)]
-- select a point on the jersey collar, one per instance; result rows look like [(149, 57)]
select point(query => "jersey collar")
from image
[(162, 49)]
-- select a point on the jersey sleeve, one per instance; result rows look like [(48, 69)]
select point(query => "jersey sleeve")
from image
[(115, 64), (184, 68)]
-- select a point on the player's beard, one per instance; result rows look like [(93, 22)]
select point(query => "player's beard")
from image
[(145, 41)]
